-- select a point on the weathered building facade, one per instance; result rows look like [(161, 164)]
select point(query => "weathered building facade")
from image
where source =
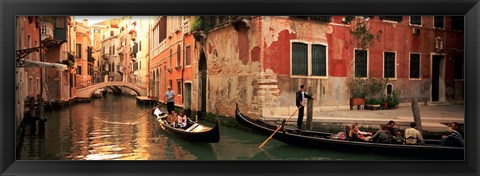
[(260, 62), (171, 51), (57, 49), (83, 56), (110, 62)]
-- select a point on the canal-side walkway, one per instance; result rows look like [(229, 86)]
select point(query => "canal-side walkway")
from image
[(434, 117)]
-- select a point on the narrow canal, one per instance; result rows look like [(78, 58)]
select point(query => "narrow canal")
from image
[(108, 129)]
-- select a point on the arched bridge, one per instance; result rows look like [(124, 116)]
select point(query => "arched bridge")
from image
[(87, 92)]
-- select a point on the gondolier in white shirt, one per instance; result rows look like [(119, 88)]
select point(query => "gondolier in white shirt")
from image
[(170, 99), (300, 102)]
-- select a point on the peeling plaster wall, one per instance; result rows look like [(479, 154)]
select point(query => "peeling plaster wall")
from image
[(232, 69), (251, 65), (279, 87)]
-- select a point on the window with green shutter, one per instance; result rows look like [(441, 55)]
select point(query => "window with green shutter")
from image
[(319, 60), (414, 65), (438, 21), (299, 59), (416, 20), (360, 63), (389, 65)]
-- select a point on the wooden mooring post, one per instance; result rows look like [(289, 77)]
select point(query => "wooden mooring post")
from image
[(416, 115), (308, 125)]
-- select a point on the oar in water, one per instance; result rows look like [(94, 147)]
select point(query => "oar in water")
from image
[(141, 115), (278, 128)]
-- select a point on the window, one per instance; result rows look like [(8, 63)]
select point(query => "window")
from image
[(30, 85), (392, 18), (135, 66), (416, 20), (112, 33), (304, 64), (79, 70), (438, 21), (79, 50), (325, 19), (389, 65), (36, 53), (457, 23), (179, 86), (188, 56), (162, 33), (319, 60), (139, 64), (299, 59), (140, 46), (458, 67), (96, 31), (113, 49), (171, 24), (414, 65), (38, 85), (360, 63), (44, 29), (170, 84), (178, 55), (170, 57)]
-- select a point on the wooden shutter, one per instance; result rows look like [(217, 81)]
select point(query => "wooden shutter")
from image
[(319, 60), (299, 59)]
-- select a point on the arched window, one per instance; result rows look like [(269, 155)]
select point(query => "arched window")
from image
[(178, 55)]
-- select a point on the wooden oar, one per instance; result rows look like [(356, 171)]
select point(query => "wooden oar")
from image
[(141, 115), (278, 128)]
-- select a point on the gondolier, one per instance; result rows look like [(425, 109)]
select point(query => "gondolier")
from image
[(170, 99), (300, 102)]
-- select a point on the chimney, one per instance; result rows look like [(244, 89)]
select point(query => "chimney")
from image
[(85, 22)]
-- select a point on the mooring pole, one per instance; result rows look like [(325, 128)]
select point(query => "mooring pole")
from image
[(309, 112)]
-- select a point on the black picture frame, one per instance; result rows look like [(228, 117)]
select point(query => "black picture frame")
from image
[(9, 9)]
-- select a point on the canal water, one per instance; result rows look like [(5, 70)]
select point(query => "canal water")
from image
[(110, 129)]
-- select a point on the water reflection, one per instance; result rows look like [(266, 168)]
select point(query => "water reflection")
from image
[(109, 129)]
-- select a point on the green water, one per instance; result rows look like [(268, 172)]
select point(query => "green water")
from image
[(110, 129)]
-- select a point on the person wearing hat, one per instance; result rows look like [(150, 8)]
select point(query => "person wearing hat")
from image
[(454, 138), (170, 99)]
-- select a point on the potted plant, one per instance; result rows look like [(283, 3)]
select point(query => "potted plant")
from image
[(393, 99), (374, 103), (357, 90)]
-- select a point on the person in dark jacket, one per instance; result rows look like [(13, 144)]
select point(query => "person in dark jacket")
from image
[(454, 139), (382, 135), (300, 102)]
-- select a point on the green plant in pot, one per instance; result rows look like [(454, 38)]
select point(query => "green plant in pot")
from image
[(358, 92), (393, 99)]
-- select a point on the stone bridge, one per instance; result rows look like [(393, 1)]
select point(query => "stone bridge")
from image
[(87, 92)]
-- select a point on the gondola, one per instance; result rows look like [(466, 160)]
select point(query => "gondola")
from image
[(316, 139), (192, 132)]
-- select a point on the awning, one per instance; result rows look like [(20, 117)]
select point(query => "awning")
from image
[(57, 66)]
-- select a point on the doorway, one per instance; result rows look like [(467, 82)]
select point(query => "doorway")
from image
[(202, 69), (438, 78)]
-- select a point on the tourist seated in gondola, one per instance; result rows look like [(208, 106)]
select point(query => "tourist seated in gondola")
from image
[(396, 135), (413, 136), (356, 135), (172, 118), (382, 135), (454, 138), (181, 120)]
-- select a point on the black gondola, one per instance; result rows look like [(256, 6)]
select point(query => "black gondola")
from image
[(192, 132), (316, 139)]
